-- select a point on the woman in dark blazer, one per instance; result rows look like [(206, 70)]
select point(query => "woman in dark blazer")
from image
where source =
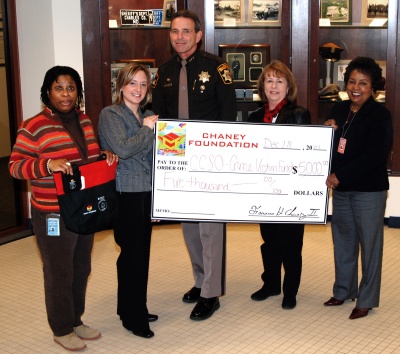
[(359, 179), (283, 242)]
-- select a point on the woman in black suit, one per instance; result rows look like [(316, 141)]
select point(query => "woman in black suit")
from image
[(283, 242), (359, 179)]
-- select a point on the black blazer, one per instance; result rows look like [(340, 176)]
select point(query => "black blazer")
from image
[(369, 138), (289, 114)]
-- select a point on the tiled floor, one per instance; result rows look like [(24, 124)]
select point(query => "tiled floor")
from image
[(239, 326)]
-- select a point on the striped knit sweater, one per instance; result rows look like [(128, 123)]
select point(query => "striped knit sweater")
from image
[(39, 139)]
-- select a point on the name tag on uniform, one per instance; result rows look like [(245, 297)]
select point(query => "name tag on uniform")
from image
[(53, 225)]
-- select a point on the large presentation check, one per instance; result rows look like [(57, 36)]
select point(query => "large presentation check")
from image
[(240, 172)]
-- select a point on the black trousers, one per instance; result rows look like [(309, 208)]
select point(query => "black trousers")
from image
[(282, 245), (133, 233)]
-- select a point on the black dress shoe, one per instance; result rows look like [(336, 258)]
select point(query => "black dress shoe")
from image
[(289, 302), (192, 295), (152, 318), (333, 302), (205, 308), (145, 333), (263, 294), (359, 312)]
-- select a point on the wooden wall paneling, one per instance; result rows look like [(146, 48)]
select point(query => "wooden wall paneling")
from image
[(300, 48), (285, 43), (207, 24), (96, 57), (13, 77), (16, 116), (105, 54), (198, 6), (140, 43), (313, 63), (393, 81), (12, 66)]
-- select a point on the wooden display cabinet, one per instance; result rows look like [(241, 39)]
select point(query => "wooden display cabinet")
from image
[(296, 42), (379, 43), (102, 46)]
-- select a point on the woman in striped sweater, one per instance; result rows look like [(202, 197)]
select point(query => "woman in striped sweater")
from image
[(49, 142)]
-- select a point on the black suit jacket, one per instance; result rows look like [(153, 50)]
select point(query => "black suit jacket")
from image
[(363, 165), (289, 114)]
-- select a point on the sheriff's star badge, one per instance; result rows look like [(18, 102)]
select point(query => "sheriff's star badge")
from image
[(204, 76)]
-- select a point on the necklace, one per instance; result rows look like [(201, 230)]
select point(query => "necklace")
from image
[(349, 120), (353, 109), (343, 140)]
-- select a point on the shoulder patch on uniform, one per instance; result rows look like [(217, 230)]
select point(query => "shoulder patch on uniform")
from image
[(225, 73), (155, 80)]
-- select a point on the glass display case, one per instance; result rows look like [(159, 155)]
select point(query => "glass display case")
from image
[(294, 36)]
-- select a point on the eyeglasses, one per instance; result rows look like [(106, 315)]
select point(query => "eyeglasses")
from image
[(60, 89)]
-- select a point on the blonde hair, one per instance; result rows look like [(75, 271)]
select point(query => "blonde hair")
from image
[(278, 69), (126, 75)]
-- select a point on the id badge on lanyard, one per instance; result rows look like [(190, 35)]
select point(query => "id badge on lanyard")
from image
[(53, 224), (342, 145), (342, 142)]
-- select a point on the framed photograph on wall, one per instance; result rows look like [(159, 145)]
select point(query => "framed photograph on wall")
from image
[(374, 10), (168, 10), (228, 12), (115, 68), (237, 63), (265, 12), (247, 59), (153, 72), (338, 12)]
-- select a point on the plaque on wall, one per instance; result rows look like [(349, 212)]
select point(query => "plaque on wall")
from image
[(246, 62)]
